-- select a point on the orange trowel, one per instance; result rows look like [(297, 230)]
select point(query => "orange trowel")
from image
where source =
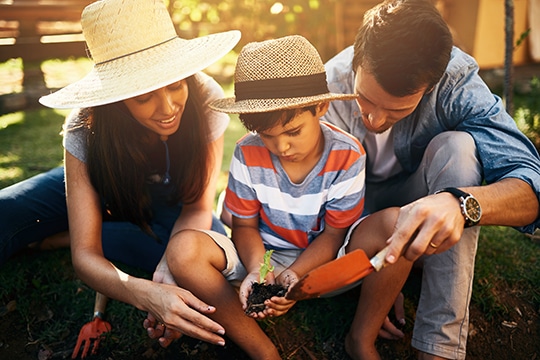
[(336, 274)]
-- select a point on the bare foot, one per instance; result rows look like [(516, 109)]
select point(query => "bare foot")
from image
[(56, 241), (358, 351)]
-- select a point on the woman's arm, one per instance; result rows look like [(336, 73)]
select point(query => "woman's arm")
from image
[(176, 307), (199, 214), (193, 216)]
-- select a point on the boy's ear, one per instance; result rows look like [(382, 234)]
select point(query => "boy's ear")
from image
[(322, 108)]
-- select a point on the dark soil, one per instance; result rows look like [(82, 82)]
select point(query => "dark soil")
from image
[(312, 329), (260, 292)]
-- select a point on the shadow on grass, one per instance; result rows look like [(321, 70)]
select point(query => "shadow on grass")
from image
[(30, 143), (44, 305)]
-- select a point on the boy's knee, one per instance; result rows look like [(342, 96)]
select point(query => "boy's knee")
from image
[(184, 246)]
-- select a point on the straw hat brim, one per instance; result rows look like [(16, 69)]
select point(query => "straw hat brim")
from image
[(144, 71), (249, 106)]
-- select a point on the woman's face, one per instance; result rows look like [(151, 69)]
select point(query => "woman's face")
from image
[(160, 110)]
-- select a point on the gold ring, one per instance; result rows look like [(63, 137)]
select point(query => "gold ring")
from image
[(433, 245)]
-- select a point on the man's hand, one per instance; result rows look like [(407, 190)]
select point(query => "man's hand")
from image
[(430, 225)]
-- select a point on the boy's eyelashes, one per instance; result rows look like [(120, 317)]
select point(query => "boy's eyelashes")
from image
[(295, 132)]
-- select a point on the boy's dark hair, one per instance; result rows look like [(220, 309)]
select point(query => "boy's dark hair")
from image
[(263, 121), (404, 44)]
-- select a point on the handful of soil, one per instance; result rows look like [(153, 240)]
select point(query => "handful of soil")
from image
[(259, 293)]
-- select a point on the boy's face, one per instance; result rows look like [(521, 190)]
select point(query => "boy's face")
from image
[(299, 139), (380, 110)]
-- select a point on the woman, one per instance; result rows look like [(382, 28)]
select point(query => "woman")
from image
[(142, 155)]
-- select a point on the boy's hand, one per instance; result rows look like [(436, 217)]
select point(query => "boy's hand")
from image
[(287, 278), (277, 306), (246, 287)]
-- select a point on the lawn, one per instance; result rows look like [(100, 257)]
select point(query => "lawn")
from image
[(43, 304)]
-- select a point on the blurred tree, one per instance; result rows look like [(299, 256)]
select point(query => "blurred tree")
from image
[(260, 19), (508, 56)]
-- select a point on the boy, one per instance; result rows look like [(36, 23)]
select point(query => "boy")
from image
[(295, 186)]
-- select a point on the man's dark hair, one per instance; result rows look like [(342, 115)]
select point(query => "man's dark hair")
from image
[(404, 44)]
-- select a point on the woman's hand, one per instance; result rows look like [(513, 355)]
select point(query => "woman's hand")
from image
[(162, 274), (174, 311), (154, 328), (157, 329)]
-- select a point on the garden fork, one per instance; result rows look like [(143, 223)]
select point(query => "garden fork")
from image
[(94, 329)]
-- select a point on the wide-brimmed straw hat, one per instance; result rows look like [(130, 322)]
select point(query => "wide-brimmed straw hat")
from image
[(278, 74), (135, 49)]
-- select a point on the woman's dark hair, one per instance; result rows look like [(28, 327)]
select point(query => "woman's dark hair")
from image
[(404, 44), (263, 121), (119, 161)]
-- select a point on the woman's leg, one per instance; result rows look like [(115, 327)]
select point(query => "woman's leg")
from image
[(379, 289), (127, 243), (32, 210), (197, 262)]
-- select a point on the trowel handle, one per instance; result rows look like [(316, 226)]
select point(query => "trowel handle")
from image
[(100, 305), (378, 261)]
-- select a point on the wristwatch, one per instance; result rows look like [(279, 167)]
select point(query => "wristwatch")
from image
[(470, 207)]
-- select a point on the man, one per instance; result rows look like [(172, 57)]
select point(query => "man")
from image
[(440, 146)]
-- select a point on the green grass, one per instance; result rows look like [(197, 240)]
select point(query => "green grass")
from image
[(43, 301)]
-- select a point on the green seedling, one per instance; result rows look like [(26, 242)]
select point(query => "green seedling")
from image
[(265, 266)]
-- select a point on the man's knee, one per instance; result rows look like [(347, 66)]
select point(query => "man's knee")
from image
[(452, 160)]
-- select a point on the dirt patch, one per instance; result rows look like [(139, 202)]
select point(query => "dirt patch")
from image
[(260, 293), (312, 329)]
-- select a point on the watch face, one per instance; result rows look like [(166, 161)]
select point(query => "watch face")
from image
[(472, 209)]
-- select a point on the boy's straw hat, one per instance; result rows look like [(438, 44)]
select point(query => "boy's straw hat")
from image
[(135, 50), (278, 74)]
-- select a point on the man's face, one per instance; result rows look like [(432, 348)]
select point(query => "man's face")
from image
[(380, 110)]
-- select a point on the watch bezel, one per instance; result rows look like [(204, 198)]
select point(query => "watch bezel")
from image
[(473, 220), (464, 198)]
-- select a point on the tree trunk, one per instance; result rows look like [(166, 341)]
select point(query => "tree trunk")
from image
[(508, 56)]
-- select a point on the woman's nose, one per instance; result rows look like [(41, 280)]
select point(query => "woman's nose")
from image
[(166, 102)]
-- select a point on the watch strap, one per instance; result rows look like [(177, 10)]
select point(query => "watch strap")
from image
[(454, 191)]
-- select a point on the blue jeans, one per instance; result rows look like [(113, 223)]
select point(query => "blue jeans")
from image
[(442, 318), (34, 209)]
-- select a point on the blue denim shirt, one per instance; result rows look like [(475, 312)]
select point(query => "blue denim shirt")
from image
[(461, 101)]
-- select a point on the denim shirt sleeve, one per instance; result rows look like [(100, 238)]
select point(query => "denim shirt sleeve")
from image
[(463, 102)]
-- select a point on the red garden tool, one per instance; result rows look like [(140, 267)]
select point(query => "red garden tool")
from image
[(336, 274), (94, 329)]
